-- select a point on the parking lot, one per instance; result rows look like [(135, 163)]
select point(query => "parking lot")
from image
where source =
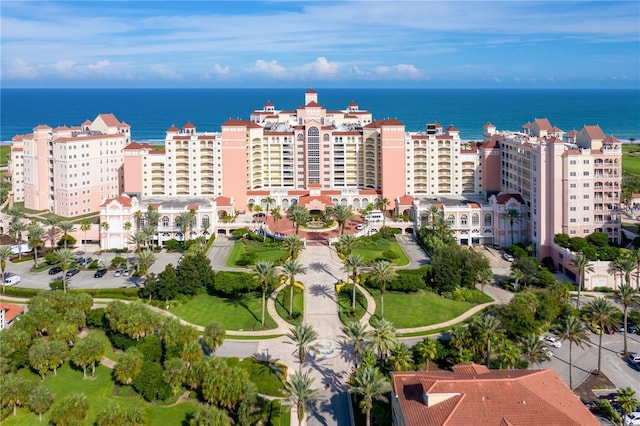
[(85, 278)]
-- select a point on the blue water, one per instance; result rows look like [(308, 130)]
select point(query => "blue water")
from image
[(151, 111)]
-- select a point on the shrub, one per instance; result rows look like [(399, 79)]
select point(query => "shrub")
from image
[(173, 245), (151, 348), (606, 409), (56, 285), (96, 319), (118, 260), (390, 255), (247, 258), (120, 341), (150, 383), (547, 262), (230, 283), (68, 239)]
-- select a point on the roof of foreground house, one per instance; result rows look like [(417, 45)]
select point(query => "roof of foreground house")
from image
[(473, 394)]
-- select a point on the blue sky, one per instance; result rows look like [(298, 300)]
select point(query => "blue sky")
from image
[(425, 44)]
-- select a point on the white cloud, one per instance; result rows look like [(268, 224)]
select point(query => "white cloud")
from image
[(165, 72), (20, 69), (272, 69), (319, 68), (398, 72)]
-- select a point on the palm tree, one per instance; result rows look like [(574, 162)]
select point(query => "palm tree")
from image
[(139, 219), (425, 351), (383, 273), (144, 259), (400, 358), (298, 214), (52, 221), (16, 229), (66, 227), (151, 220), (508, 353), (625, 265), (65, 258), (513, 217), (301, 336), (293, 244), (5, 189), (5, 254), (517, 275), (488, 326), (370, 385), (382, 205), (35, 239), (300, 392), (85, 226), (581, 263), (127, 227), (341, 213), (292, 268), (185, 221), (353, 263), (214, 335), (382, 338), (627, 400), (275, 213), (356, 334), (533, 350), (105, 227), (16, 213), (346, 243), (39, 400), (628, 296), (265, 272), (139, 239), (602, 313), (269, 200), (572, 330)]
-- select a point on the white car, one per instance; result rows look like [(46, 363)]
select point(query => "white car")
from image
[(634, 358), (507, 257), (12, 279), (552, 341), (360, 227), (632, 419)]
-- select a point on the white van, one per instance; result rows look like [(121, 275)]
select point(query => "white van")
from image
[(12, 280), (374, 216)]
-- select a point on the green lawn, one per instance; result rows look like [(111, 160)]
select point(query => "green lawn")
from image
[(107, 344), (407, 310), (344, 304), (99, 392), (266, 376), (240, 313), (268, 250), (283, 302), (631, 158), (4, 150), (371, 248)]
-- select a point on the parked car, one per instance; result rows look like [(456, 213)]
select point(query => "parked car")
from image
[(118, 273), (100, 273), (634, 358), (632, 328), (374, 230), (84, 261), (609, 330), (620, 328), (507, 257), (126, 272), (547, 351), (12, 279), (360, 227), (632, 419), (552, 341), (72, 272), (55, 270)]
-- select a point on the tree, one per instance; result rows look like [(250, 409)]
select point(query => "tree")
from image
[(85, 226), (144, 259), (139, 217), (128, 366), (112, 414), (299, 215), (513, 217), (185, 221), (52, 221), (356, 334), (581, 263), (269, 200), (341, 213), (400, 358), (14, 391), (425, 351), (370, 385), (488, 326), (70, 410), (35, 239), (5, 254), (139, 239), (293, 244), (66, 227), (39, 400), (627, 400), (532, 350), (292, 268), (299, 390), (572, 330), (265, 272), (127, 227), (65, 258), (275, 213), (191, 353), (174, 334), (105, 227), (628, 296), (301, 336), (213, 336), (86, 352), (15, 230), (5, 189), (353, 263), (346, 243), (382, 205), (383, 273), (602, 313), (209, 415), (518, 276), (508, 353), (382, 338)]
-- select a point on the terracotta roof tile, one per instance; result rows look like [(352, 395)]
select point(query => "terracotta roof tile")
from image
[(110, 120), (11, 311), (121, 199), (504, 198), (594, 132)]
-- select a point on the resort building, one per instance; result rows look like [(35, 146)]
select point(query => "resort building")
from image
[(473, 394), (8, 314), (69, 171)]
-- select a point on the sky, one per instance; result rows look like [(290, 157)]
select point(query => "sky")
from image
[(321, 44)]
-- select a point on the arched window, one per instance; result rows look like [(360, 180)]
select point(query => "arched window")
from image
[(325, 138), (165, 221), (300, 137), (487, 219), (343, 201), (205, 221), (451, 219), (475, 219), (463, 220), (356, 203), (285, 203)]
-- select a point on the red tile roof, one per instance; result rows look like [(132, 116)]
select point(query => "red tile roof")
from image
[(268, 104), (173, 128), (311, 91), (612, 139), (223, 202), (194, 207), (189, 125), (594, 132), (42, 127), (472, 394), (11, 311), (110, 120), (488, 124), (451, 128), (572, 133), (405, 200), (542, 123), (124, 201), (313, 104), (136, 145), (504, 198)]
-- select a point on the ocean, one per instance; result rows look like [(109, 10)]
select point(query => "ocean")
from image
[(151, 111)]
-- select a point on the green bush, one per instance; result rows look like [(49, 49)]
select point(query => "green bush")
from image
[(120, 341), (56, 285), (606, 409), (118, 260), (68, 239), (231, 283), (151, 348), (173, 245), (24, 258), (96, 319), (247, 258), (150, 383), (22, 292)]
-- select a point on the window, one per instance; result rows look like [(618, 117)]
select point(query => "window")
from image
[(475, 219), (165, 221), (463, 220), (487, 219), (585, 185), (451, 219), (573, 185)]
